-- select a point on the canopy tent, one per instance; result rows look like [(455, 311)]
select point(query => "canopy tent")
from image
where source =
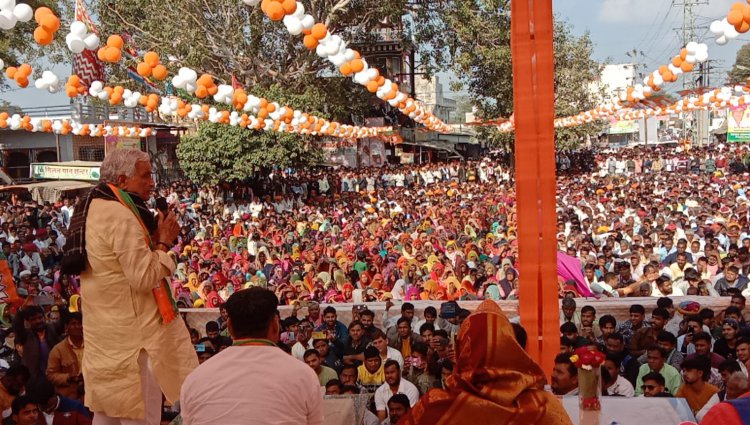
[(50, 191)]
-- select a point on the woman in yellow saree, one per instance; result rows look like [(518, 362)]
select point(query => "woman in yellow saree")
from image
[(494, 380)]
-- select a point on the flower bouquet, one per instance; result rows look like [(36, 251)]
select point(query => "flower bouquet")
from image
[(589, 361)]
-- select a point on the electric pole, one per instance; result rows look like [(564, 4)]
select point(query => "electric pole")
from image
[(687, 34)]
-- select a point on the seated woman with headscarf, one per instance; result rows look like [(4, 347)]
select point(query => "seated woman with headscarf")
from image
[(494, 381)]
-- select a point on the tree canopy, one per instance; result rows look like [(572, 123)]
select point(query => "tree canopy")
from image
[(220, 153), (472, 37), (741, 69)]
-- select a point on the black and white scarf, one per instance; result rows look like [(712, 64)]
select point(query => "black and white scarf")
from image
[(75, 258)]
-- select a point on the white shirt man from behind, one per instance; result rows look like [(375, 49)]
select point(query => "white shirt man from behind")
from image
[(245, 384), (394, 384)]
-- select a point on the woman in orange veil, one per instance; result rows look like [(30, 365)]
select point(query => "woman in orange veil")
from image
[(494, 381)]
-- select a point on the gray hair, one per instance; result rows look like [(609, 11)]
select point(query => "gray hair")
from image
[(121, 162)]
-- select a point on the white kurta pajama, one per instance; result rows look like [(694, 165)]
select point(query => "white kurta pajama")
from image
[(121, 319)]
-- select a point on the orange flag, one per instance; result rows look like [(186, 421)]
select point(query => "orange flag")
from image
[(8, 292)]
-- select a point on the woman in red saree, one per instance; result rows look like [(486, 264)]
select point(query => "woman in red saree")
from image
[(494, 380)]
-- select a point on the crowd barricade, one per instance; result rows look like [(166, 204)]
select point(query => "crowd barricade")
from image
[(617, 307)]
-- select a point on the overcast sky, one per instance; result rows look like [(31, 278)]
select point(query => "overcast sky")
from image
[(616, 27)]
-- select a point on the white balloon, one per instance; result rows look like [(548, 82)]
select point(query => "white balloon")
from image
[(299, 12), (7, 4), (293, 25), (691, 47), (103, 95), (190, 87), (251, 3), (690, 58), (23, 12), (92, 41), (40, 84), (701, 56), (178, 81), (307, 22), (2, 64), (717, 27), (349, 54), (7, 20), (97, 85), (76, 45), (337, 59), (78, 28), (721, 40), (730, 32)]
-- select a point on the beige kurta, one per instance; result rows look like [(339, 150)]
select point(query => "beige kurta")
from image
[(121, 317)]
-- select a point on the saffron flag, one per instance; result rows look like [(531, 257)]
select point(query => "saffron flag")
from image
[(8, 293)]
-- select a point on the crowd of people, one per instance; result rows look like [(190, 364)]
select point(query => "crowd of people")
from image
[(641, 222)]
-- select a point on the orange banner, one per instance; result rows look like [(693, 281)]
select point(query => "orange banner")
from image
[(533, 101)]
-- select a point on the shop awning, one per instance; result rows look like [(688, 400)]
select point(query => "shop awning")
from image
[(49, 191)]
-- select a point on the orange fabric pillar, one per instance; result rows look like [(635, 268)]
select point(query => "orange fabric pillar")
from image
[(533, 101)]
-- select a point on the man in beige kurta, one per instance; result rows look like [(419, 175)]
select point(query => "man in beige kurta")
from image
[(127, 346)]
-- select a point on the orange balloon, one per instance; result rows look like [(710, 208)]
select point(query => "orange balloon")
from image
[(71, 91), (686, 67), (271, 107), (144, 69), (11, 71), (159, 72), (676, 61), (372, 86), (290, 6), (357, 65), (663, 69), (205, 80), (346, 69), (262, 113), (319, 31), (734, 17), (275, 11), (24, 69), (42, 36), (74, 80), (39, 13), (115, 41), (22, 81), (213, 89), (746, 12), (112, 54), (264, 5), (50, 22), (263, 102), (101, 54), (201, 92), (743, 27), (151, 58), (310, 42), (683, 53)]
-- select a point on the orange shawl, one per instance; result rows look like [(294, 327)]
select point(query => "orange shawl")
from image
[(494, 381)]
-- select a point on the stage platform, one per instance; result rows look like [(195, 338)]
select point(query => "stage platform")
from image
[(617, 307)]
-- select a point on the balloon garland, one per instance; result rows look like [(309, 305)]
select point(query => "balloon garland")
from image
[(270, 115), (693, 53), (66, 126), (349, 62)]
